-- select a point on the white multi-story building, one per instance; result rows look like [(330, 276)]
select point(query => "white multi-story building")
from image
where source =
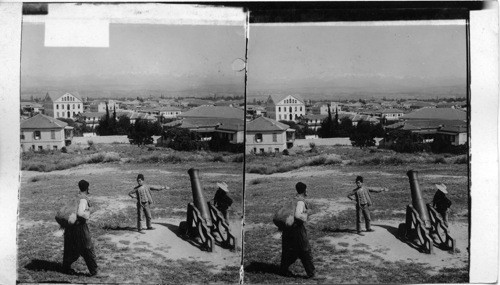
[(62, 104), (285, 107)]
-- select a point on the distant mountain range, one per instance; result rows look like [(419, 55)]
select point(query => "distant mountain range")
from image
[(345, 87)]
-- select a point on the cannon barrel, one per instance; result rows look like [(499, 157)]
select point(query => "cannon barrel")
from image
[(198, 199), (416, 198)]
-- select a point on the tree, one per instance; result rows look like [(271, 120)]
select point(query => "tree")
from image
[(103, 129), (181, 139), (363, 135), (406, 141), (217, 143), (141, 133), (346, 129), (123, 125), (327, 126), (335, 124)]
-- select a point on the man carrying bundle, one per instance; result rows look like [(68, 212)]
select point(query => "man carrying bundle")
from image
[(142, 193), (77, 239), (295, 243)]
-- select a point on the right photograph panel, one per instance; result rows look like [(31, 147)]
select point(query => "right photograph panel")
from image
[(357, 166)]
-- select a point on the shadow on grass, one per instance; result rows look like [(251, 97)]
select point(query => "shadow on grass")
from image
[(175, 229), (119, 228), (45, 265), (337, 230), (262, 267)]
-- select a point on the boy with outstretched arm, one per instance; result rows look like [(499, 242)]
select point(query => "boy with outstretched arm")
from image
[(142, 193), (363, 201)]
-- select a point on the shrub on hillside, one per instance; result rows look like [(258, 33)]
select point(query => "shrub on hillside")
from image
[(408, 142), (182, 139)]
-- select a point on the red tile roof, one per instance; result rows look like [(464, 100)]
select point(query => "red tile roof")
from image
[(436, 114), (214, 112), (261, 124), (41, 121)]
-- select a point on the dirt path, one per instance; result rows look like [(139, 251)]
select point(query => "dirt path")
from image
[(163, 240), (384, 244)]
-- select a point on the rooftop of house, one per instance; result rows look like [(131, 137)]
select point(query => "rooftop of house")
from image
[(454, 129), (262, 124), (230, 124), (426, 124), (278, 97), (41, 121), (436, 114), (215, 112), (54, 95), (94, 114), (390, 111), (31, 104), (314, 117)]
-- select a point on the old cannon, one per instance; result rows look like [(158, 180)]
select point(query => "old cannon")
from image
[(205, 224), (423, 228)]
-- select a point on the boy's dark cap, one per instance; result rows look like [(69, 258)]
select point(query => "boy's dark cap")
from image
[(359, 178), (140, 176), (301, 188), (83, 185)]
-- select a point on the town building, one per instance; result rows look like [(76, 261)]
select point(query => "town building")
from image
[(92, 118), (254, 111), (455, 135), (62, 104), (100, 106), (285, 107), (321, 108), (227, 122), (265, 135), (169, 112), (31, 107), (313, 121), (42, 132), (391, 115)]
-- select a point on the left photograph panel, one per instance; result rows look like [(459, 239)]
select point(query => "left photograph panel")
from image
[(132, 144)]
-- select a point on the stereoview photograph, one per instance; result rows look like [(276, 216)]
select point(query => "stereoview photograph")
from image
[(357, 153), (132, 129)]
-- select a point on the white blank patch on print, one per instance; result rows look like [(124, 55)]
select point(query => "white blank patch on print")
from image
[(87, 25)]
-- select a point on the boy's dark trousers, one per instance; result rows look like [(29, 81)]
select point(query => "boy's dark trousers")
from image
[(77, 242), (143, 207), (289, 256), (295, 244), (364, 209)]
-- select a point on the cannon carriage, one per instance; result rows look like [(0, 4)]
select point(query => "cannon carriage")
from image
[(205, 225), (423, 227)]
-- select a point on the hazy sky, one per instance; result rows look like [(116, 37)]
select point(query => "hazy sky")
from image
[(356, 56), (289, 58), (174, 57)]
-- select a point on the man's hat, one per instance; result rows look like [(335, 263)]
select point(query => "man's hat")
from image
[(223, 186), (441, 187)]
